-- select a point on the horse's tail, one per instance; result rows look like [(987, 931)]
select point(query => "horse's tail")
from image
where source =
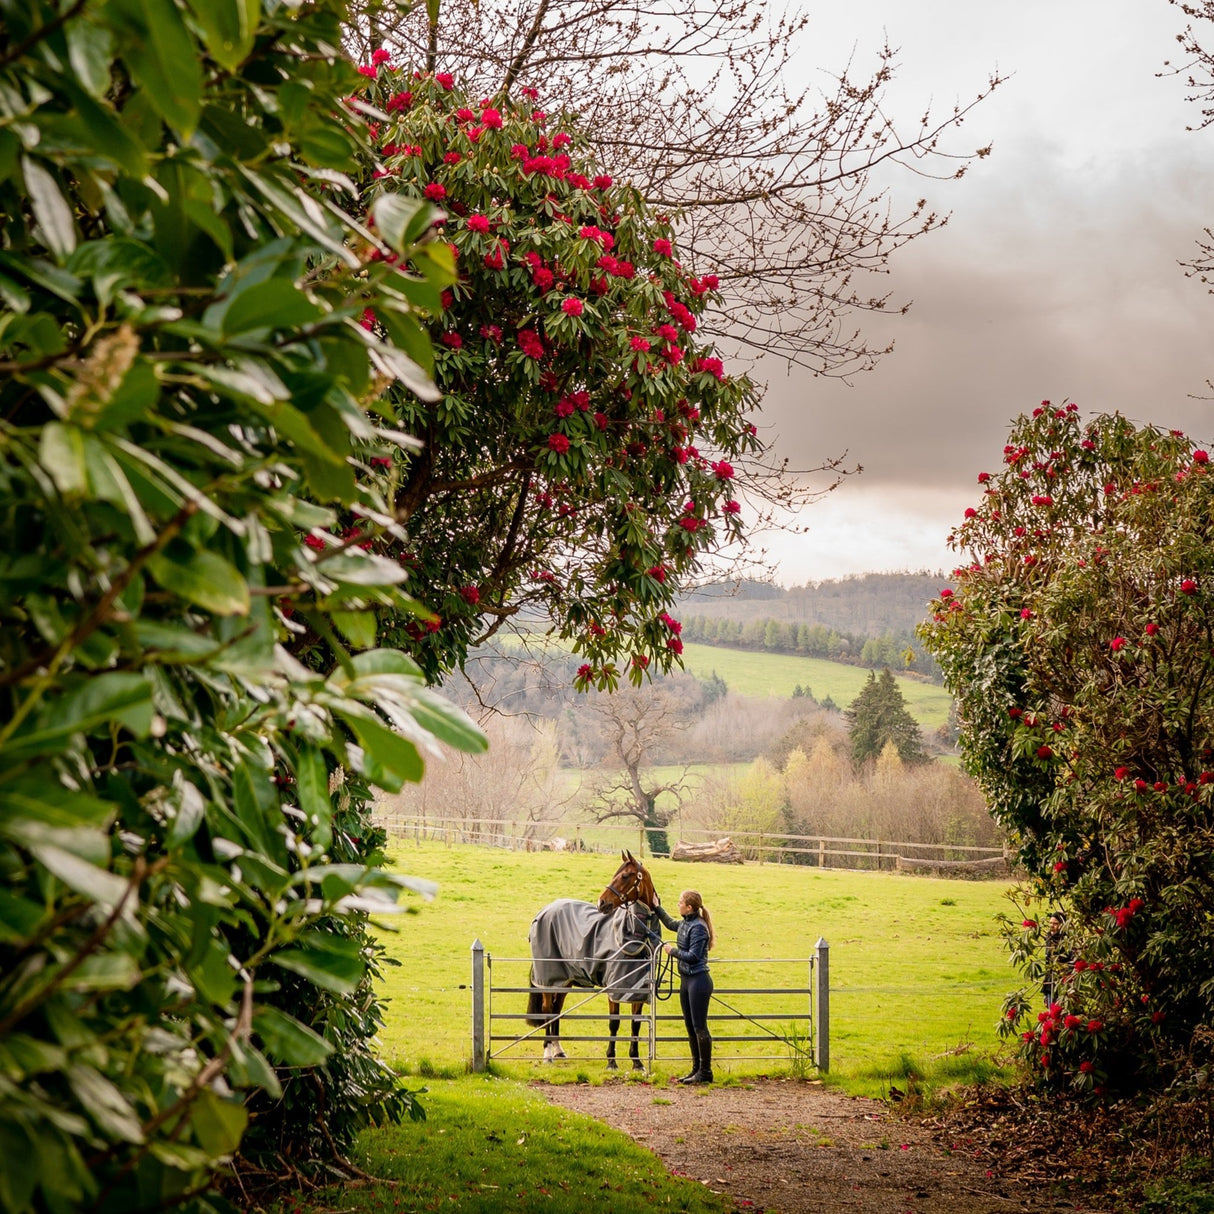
[(534, 1001)]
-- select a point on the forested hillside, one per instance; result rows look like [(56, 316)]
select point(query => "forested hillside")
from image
[(868, 604), (865, 621)]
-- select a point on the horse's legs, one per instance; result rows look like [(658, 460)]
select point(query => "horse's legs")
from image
[(552, 1004), (634, 1049), (613, 1012)]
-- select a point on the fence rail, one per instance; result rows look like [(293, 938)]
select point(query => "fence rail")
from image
[(821, 851)]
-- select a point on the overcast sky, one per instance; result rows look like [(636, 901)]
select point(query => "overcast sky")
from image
[(1056, 277)]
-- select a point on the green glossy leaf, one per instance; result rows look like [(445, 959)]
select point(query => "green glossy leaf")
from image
[(274, 304), (288, 1041), (401, 219), (204, 578), (90, 52), (61, 453), (106, 134), (50, 209), (159, 51), (358, 627), (447, 723), (394, 759), (229, 27), (312, 789), (105, 1103), (95, 702), (331, 963), (103, 887)]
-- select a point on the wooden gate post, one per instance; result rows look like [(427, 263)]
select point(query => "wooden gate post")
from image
[(478, 1005), (822, 1005)]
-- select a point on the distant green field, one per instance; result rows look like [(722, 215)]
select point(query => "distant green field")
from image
[(776, 674), (918, 970)]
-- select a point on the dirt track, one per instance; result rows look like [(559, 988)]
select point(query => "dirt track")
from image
[(795, 1147)]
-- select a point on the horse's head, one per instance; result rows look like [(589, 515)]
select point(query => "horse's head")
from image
[(631, 883)]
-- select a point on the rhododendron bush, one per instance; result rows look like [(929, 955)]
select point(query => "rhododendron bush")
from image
[(1079, 640), (585, 453)]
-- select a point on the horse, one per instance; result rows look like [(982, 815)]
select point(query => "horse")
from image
[(576, 944), (631, 883)]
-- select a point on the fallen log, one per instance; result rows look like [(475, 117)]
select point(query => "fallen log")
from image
[(995, 866), (722, 851)]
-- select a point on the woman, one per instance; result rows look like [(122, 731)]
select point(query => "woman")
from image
[(695, 938)]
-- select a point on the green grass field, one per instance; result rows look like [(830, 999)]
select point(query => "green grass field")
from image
[(776, 674), (917, 968)]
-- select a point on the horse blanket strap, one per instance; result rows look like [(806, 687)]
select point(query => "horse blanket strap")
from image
[(574, 944)]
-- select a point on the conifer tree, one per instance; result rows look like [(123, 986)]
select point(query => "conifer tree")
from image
[(879, 715)]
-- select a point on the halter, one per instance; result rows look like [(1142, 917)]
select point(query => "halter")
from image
[(623, 896)]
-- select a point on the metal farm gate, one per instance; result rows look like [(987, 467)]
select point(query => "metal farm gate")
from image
[(741, 1016)]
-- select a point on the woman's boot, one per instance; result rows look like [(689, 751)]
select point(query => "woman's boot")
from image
[(694, 1040), (704, 1074)]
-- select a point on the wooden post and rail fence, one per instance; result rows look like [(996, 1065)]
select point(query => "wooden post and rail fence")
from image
[(821, 851)]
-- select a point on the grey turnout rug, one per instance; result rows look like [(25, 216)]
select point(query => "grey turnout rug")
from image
[(574, 944)]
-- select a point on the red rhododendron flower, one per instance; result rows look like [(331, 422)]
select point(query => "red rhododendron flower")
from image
[(478, 223), (315, 543), (452, 158), (1086, 1067), (445, 80), (453, 340), (1201, 457), (1094, 1026), (492, 119), (723, 470), (1117, 643), (732, 507), (530, 343), (435, 191), (640, 345), (558, 443), (1152, 629), (368, 319), (600, 420), (380, 56), (381, 461), (1121, 773), (1044, 752), (572, 307), (675, 645), (662, 246), (602, 182), (983, 477), (711, 366), (399, 101), (366, 69), (470, 594), (946, 593), (1188, 586)]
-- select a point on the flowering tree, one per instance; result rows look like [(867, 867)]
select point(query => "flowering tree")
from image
[(187, 862), (779, 191), (581, 459), (1078, 642)]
